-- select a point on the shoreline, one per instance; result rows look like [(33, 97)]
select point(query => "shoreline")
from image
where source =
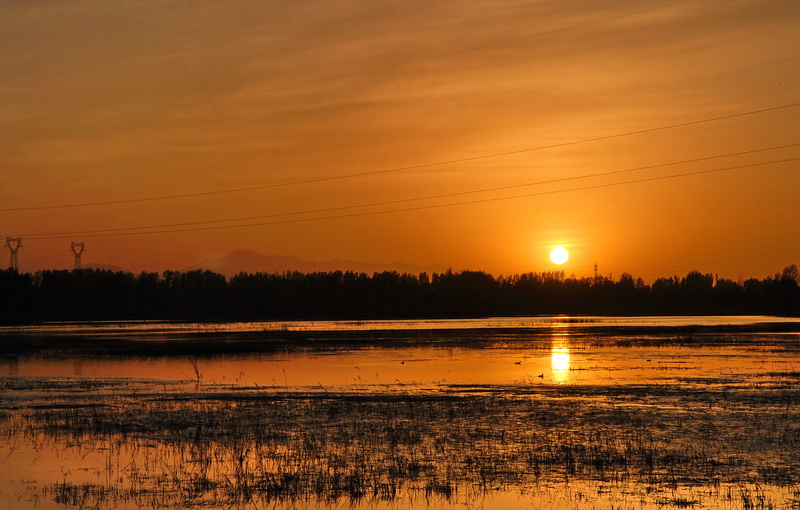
[(161, 339)]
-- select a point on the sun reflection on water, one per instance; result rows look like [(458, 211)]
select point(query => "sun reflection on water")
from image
[(559, 362)]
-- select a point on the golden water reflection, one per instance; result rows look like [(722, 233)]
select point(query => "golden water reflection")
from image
[(559, 362)]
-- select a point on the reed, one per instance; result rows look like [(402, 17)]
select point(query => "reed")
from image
[(225, 446)]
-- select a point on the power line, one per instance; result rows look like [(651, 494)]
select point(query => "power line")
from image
[(429, 197), (411, 167), (436, 206), (346, 75)]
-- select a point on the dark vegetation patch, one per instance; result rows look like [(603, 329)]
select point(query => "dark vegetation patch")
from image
[(225, 448), (52, 295)]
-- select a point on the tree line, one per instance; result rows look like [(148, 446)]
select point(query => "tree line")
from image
[(93, 294)]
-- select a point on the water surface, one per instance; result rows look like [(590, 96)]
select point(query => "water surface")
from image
[(551, 412)]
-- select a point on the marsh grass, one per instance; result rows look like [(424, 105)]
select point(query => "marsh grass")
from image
[(731, 440), (220, 446)]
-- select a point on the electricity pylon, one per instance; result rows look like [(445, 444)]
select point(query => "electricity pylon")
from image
[(77, 249), (14, 244)]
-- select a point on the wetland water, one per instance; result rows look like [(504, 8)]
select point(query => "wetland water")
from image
[(540, 412)]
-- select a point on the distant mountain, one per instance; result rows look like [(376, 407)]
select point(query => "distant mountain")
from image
[(249, 261)]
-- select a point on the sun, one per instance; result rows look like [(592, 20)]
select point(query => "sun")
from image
[(559, 255)]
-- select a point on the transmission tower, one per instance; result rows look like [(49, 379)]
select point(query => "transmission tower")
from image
[(14, 244), (77, 249)]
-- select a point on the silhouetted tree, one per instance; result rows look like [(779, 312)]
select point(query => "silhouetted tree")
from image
[(728, 297), (17, 296), (90, 294), (696, 290)]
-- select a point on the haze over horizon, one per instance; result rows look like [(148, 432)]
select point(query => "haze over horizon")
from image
[(251, 262), (650, 138)]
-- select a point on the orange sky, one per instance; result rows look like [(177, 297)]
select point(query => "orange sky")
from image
[(128, 100)]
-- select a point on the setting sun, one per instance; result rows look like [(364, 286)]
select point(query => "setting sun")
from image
[(559, 255)]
